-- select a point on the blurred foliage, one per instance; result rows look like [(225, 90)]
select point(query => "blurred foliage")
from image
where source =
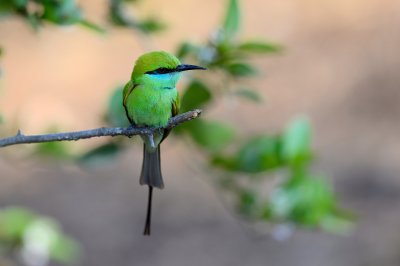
[(115, 115), (68, 12), (242, 165), (307, 200), (210, 135), (35, 239), (101, 154), (119, 17), (35, 12), (57, 150)]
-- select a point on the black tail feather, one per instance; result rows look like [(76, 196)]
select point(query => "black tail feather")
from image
[(151, 176), (147, 226)]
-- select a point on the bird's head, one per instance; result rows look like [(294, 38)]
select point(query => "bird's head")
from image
[(159, 63)]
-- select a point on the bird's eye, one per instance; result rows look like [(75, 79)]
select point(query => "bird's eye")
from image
[(161, 70)]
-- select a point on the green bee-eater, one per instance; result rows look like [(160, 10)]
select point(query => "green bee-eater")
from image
[(150, 98)]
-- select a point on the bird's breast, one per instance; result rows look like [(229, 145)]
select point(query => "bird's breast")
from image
[(152, 106)]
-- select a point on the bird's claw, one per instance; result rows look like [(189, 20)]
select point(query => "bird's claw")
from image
[(151, 139)]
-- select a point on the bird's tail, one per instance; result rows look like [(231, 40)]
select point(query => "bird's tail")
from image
[(151, 168), (151, 176)]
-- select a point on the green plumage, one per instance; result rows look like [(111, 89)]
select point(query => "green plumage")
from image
[(150, 103)]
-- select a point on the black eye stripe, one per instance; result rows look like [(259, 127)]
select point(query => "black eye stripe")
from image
[(161, 70)]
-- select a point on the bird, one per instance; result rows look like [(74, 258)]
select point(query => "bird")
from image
[(150, 98)]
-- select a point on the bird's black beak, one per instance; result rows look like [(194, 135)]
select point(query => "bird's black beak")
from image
[(181, 68)]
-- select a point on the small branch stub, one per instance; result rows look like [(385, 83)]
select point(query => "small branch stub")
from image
[(20, 138)]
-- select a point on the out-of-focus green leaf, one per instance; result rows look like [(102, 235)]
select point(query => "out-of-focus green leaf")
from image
[(247, 202), (48, 235), (211, 135), (66, 12), (260, 47), (62, 12), (337, 223), (116, 115), (232, 19), (92, 26), (257, 155), (296, 141), (151, 25), (13, 222), (306, 200), (196, 95), (249, 94), (5, 7), (65, 250), (101, 154), (185, 49), (228, 163), (21, 229), (54, 150), (240, 69), (119, 17)]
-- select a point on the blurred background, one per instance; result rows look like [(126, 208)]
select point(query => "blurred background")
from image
[(339, 67)]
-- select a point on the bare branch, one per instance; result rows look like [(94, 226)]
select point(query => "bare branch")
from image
[(20, 138)]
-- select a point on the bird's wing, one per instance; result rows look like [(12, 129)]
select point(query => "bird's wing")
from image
[(176, 104), (129, 87), (174, 112)]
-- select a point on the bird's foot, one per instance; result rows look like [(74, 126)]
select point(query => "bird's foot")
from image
[(151, 140)]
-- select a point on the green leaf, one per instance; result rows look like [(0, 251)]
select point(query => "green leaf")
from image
[(240, 69), (116, 115), (91, 26), (13, 222), (196, 95), (296, 141), (260, 47), (101, 154), (185, 49), (249, 94), (20, 227), (65, 12), (337, 222), (116, 14), (5, 7), (211, 135), (232, 19), (256, 155), (48, 234), (247, 202), (150, 25), (53, 150), (259, 154), (65, 250), (119, 17), (307, 200)]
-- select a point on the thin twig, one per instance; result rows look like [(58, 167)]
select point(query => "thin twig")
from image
[(20, 138)]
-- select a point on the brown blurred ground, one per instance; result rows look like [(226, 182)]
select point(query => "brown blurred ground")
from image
[(341, 68)]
